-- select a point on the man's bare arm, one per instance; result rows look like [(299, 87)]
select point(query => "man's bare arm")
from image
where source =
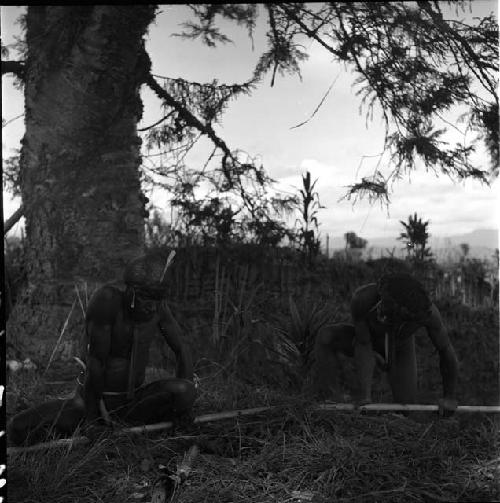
[(365, 360), (173, 335), (363, 300), (100, 316), (99, 337), (448, 362)]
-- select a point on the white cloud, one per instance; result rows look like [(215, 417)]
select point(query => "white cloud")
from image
[(452, 208)]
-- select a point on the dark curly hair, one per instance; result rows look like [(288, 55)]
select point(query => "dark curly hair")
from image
[(405, 292), (146, 274)]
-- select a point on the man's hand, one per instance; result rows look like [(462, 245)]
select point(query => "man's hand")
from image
[(95, 428), (380, 361), (360, 401), (104, 412), (172, 333), (105, 415), (365, 364), (447, 406)]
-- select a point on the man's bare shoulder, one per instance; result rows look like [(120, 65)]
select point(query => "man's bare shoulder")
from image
[(363, 299), (433, 318)]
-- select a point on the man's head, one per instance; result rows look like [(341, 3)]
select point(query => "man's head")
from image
[(402, 298), (146, 284)]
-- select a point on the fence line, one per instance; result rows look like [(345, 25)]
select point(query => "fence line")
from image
[(203, 272)]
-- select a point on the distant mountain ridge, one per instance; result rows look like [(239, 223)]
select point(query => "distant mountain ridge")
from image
[(480, 237), (486, 238), (482, 242)]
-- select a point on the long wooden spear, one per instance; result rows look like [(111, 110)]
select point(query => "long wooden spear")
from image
[(400, 407), (219, 416)]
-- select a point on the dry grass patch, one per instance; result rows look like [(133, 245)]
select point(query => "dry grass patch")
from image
[(288, 454)]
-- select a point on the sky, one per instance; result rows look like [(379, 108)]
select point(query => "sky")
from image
[(331, 145)]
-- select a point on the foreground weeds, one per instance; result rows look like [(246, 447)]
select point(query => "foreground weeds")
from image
[(348, 457), (287, 455)]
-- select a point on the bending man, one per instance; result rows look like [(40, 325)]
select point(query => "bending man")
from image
[(385, 318), (119, 329)]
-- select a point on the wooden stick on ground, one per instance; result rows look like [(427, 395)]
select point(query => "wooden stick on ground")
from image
[(399, 407), (219, 416), (206, 418)]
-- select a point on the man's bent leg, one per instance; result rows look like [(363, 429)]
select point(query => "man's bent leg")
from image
[(330, 341), (403, 372), (32, 425), (161, 401)]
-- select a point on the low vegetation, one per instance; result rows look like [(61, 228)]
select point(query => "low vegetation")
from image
[(250, 319), (290, 454)]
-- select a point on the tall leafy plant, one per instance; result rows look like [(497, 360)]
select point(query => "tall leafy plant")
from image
[(309, 205)]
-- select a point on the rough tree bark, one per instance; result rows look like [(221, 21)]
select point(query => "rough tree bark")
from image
[(80, 181)]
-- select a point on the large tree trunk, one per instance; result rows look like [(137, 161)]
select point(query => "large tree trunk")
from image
[(80, 155)]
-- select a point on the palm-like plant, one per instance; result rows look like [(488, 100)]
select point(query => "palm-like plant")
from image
[(416, 237), (306, 319)]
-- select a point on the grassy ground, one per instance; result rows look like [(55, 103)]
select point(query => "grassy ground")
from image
[(288, 455)]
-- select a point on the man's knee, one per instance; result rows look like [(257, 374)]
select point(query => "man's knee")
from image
[(184, 393), (32, 425), (177, 386), (25, 427)]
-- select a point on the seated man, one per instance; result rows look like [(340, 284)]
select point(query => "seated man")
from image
[(385, 318), (119, 329)]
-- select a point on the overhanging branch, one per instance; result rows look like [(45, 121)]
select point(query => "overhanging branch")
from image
[(469, 55), (310, 33), (192, 121)]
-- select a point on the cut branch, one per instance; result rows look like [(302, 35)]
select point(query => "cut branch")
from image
[(10, 121), (158, 122), (13, 219), (15, 67)]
